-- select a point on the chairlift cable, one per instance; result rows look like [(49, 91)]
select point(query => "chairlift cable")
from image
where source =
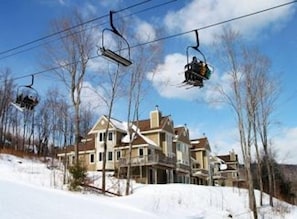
[(214, 24), (67, 29), (167, 37), (49, 36)]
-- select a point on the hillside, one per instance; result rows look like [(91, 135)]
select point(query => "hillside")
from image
[(28, 189), (290, 173)]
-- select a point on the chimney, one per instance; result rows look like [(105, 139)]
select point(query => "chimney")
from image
[(232, 155), (155, 117)]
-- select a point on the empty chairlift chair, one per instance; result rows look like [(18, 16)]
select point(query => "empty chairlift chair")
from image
[(115, 55)]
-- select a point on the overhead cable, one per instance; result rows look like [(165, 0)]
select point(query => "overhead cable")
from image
[(170, 36), (70, 28), (54, 34)]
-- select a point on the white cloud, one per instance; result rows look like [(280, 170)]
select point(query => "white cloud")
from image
[(168, 75), (285, 145), (90, 97), (145, 32), (199, 14), (88, 10), (167, 79)]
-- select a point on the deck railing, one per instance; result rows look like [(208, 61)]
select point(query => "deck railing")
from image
[(148, 160)]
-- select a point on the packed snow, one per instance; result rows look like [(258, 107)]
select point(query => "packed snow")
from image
[(30, 189)]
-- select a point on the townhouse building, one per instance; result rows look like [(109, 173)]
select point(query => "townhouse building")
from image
[(229, 174), (200, 155), (157, 151)]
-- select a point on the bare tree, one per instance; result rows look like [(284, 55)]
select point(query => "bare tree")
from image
[(72, 54), (87, 119), (6, 92), (267, 96), (236, 98), (43, 129), (253, 68), (145, 59)]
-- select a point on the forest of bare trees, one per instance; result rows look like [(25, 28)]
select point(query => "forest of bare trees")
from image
[(252, 93), (52, 121)]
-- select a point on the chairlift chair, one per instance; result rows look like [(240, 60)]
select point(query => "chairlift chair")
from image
[(27, 97), (196, 71), (112, 54)]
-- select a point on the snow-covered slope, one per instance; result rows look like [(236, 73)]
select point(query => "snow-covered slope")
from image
[(28, 189)]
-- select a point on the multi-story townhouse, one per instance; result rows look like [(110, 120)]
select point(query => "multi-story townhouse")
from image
[(153, 157), (200, 166), (92, 147), (87, 153), (229, 175), (116, 130), (182, 145), (160, 152), (154, 143)]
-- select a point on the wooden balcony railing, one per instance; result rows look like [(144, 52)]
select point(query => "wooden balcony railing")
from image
[(200, 172), (148, 160), (182, 166)]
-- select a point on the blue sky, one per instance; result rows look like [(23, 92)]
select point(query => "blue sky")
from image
[(273, 32)]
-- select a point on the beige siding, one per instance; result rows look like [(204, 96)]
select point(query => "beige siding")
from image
[(154, 137), (155, 119)]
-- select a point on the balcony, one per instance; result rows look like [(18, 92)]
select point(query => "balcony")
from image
[(200, 172), (148, 160), (182, 167)]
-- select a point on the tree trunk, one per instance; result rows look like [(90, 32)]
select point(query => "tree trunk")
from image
[(129, 168), (259, 163)]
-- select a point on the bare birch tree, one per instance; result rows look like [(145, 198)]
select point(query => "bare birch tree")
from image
[(111, 87), (252, 69), (145, 59), (236, 98), (267, 96), (72, 55), (6, 92)]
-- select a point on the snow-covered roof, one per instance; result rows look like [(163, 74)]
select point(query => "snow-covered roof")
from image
[(118, 124), (136, 130)]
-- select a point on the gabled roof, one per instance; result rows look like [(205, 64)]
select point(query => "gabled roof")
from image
[(144, 125), (227, 158), (179, 130), (181, 134), (200, 143), (114, 123), (138, 138), (87, 144)]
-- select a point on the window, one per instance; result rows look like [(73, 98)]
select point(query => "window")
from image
[(140, 151), (118, 155), (109, 155), (92, 158), (234, 175), (110, 136), (100, 156), (149, 151), (102, 136)]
